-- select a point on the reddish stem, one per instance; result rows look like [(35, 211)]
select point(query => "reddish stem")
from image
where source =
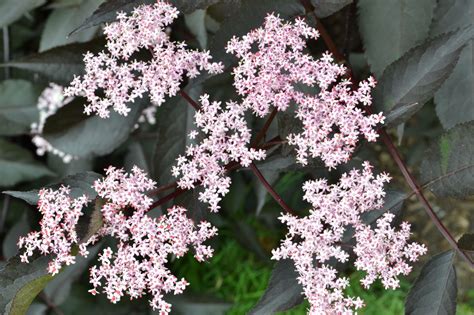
[(162, 188), (234, 165), (261, 135), (270, 189), (309, 8), (229, 167), (167, 198), (416, 188), (188, 98), (273, 142), (394, 152)]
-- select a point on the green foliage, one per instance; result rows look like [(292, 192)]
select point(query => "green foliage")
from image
[(377, 298), (242, 283), (21, 283)]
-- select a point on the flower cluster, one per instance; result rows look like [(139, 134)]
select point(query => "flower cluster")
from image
[(273, 71), (383, 252), (49, 102), (272, 62), (332, 123), (58, 227), (117, 77), (144, 244), (313, 240), (138, 265), (226, 139)]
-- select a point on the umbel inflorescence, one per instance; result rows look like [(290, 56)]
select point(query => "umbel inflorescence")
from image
[(313, 240), (144, 244), (274, 73), (122, 78)]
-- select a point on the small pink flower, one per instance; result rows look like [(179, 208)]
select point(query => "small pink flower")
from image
[(49, 102)]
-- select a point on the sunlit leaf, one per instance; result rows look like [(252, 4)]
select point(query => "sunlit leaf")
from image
[(21, 283)]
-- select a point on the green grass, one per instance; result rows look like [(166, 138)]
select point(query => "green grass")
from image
[(236, 275), (232, 274)]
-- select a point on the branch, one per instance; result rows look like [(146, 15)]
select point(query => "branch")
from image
[(167, 198), (188, 98), (391, 147), (309, 8), (270, 189), (162, 188), (351, 13), (261, 135), (228, 168), (416, 188)]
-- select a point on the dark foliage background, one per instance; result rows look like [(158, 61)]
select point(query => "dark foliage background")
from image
[(421, 53)]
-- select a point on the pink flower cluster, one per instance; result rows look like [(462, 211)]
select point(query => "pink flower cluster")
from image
[(58, 228), (226, 138), (144, 244), (138, 266), (274, 71), (49, 102), (272, 61), (332, 123), (383, 252), (312, 240), (121, 78)]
